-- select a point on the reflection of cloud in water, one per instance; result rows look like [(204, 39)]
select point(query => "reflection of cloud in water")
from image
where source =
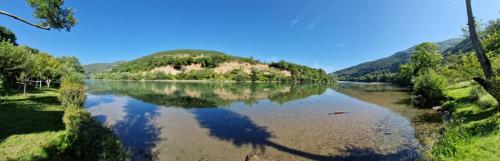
[(106, 108), (130, 119)]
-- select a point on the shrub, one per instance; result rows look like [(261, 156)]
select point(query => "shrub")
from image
[(72, 78), (88, 139), (405, 75), (429, 87), (203, 74), (239, 75), (449, 105), (72, 91)]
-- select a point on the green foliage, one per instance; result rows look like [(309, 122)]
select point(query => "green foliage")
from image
[(96, 68), (177, 59), (462, 67), (239, 75), (7, 35), (405, 75), (491, 39), (88, 139), (391, 64), (302, 73), (70, 64), (429, 87), (426, 56), (72, 91), (203, 74), (16, 63), (52, 14)]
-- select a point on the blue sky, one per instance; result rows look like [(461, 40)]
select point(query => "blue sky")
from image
[(328, 34)]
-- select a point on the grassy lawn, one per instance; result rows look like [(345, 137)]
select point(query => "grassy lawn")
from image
[(29, 124), (474, 133)]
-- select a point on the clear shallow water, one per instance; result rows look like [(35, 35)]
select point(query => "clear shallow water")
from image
[(228, 121)]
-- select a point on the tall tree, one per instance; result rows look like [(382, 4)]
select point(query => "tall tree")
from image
[(426, 56), (7, 35), (491, 84), (50, 13)]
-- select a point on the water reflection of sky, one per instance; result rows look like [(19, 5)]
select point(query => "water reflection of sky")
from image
[(253, 120)]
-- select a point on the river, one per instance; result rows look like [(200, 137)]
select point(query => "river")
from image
[(190, 121)]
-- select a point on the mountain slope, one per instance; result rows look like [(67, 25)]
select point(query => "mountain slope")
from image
[(391, 63), (95, 68)]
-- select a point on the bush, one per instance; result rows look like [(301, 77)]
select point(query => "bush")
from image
[(72, 95), (72, 91), (405, 75), (449, 105), (88, 139), (239, 75), (429, 87), (203, 74), (72, 78)]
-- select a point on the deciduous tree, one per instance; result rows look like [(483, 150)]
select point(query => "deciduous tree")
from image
[(51, 14), (490, 82)]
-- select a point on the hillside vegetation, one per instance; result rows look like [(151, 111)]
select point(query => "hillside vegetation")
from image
[(91, 69), (382, 69), (209, 65)]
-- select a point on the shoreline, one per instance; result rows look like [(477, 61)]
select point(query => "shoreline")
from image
[(204, 81)]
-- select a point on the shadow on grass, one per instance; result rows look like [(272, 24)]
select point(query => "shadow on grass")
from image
[(24, 116), (240, 130), (468, 116)]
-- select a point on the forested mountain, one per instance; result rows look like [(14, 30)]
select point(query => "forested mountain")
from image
[(391, 64), (91, 69), (205, 65)]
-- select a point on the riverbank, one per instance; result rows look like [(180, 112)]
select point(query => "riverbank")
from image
[(473, 133), (36, 127)]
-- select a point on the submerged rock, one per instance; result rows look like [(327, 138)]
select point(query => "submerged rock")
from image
[(337, 112), (253, 157)]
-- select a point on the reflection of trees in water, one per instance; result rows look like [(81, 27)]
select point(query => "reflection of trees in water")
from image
[(198, 95), (240, 130), (136, 130)]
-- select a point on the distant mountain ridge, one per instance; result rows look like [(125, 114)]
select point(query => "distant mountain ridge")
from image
[(94, 68), (391, 63)]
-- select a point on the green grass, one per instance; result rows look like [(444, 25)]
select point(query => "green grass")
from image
[(29, 124), (474, 133)]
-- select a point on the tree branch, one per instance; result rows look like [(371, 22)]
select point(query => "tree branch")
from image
[(482, 82), (23, 20)]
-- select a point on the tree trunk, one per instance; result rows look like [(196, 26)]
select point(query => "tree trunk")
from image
[(481, 56), (48, 83), (24, 88), (489, 84)]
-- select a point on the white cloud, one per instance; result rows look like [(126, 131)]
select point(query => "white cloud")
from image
[(301, 14), (318, 18)]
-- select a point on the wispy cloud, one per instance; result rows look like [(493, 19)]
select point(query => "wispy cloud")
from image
[(318, 19), (299, 17)]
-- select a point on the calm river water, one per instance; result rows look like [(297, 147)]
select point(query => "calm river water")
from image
[(229, 121)]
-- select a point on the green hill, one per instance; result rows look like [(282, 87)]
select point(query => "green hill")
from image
[(207, 65), (391, 64), (91, 69)]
